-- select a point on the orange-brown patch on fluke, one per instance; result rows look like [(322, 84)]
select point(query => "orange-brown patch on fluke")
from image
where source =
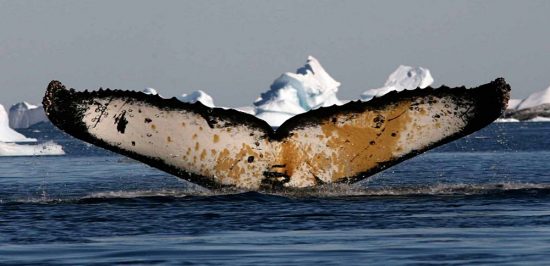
[(292, 158), (216, 138), (203, 155), (168, 139), (351, 141), (232, 168), (226, 167), (153, 126), (197, 145)]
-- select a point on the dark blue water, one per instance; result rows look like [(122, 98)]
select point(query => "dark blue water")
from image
[(482, 200)]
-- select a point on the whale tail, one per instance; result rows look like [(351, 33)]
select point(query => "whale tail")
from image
[(215, 147)]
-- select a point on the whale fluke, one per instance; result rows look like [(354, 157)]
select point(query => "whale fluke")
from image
[(216, 147)]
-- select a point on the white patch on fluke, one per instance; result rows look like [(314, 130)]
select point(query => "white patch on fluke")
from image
[(181, 139)]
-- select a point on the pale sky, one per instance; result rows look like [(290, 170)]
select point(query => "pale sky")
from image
[(233, 50)]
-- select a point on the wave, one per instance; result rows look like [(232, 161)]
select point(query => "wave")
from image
[(327, 191)]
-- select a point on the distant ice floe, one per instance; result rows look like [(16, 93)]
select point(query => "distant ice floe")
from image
[(43, 149), (534, 108), (24, 115), (403, 78), (514, 103), (7, 134), (539, 119), (506, 120), (535, 99), (309, 88), (10, 139), (150, 91), (246, 109), (193, 97), (197, 96)]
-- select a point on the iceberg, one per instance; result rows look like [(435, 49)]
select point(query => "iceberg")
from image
[(535, 99), (539, 119), (7, 134), (403, 78), (246, 109), (513, 104), (506, 120), (534, 108), (197, 96), (193, 97), (14, 149), (150, 91), (309, 88), (24, 115)]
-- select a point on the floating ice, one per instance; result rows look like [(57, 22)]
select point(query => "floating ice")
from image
[(13, 149), (309, 88), (506, 120), (535, 99), (24, 115), (6, 133), (403, 78), (246, 109), (197, 96), (150, 91), (513, 103), (539, 119)]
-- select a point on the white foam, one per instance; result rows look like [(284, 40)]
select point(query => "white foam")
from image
[(13, 149)]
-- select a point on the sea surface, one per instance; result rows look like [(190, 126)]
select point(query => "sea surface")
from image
[(484, 199)]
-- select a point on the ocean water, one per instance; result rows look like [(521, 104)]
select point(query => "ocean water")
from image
[(484, 199)]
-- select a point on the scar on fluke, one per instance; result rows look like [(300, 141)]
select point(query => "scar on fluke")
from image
[(121, 122)]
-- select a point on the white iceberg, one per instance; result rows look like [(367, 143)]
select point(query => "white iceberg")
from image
[(535, 99), (193, 97), (7, 134), (150, 91), (197, 96), (246, 109), (506, 120), (539, 119), (13, 149), (513, 104), (309, 88), (403, 78), (24, 115)]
